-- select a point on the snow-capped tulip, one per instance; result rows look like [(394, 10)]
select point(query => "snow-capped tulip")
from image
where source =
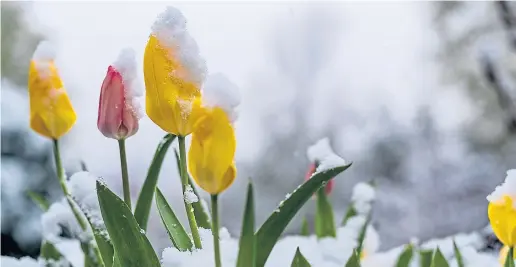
[(174, 73), (118, 110), (329, 186), (502, 211), (212, 150), (51, 112)]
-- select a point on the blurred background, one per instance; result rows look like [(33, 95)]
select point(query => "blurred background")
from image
[(419, 96)]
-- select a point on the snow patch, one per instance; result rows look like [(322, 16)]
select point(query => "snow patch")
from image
[(125, 64), (507, 188), (219, 91), (321, 152), (6, 261), (170, 29), (57, 219), (189, 195)]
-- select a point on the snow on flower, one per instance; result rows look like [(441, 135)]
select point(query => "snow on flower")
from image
[(170, 29), (219, 91), (322, 153), (507, 188)]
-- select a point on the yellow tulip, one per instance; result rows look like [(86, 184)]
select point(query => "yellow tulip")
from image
[(173, 76), (51, 112), (212, 150), (503, 255), (502, 216)]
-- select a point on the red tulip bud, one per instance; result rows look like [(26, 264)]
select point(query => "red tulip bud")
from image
[(118, 117)]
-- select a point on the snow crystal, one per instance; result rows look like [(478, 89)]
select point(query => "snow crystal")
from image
[(7, 261), (82, 186), (507, 188), (219, 91), (42, 58), (189, 195), (170, 29)]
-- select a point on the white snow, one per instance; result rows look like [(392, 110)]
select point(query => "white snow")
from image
[(190, 196), (321, 151), (170, 29), (219, 91), (82, 186), (362, 196), (59, 215), (507, 188), (6, 261)]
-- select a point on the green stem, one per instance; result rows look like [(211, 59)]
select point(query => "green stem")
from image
[(184, 182), (125, 175), (510, 258), (215, 228), (75, 211), (62, 182)]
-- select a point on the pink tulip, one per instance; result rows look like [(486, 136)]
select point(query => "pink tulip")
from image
[(311, 171), (118, 118)]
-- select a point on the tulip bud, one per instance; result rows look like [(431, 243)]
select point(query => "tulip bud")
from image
[(313, 167), (118, 111)]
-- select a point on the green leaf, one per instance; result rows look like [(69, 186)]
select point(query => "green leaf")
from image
[(324, 222), (299, 260), (143, 205), (39, 199), (201, 215), (438, 260), (305, 229), (50, 252), (405, 256), (362, 234), (175, 229), (458, 255), (349, 213), (354, 260), (247, 245), (425, 258), (130, 244), (271, 229), (509, 260)]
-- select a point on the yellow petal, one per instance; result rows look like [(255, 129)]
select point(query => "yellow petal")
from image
[(51, 112), (502, 217), (169, 95), (211, 154)]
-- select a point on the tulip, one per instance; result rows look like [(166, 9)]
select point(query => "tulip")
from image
[(329, 186), (51, 112), (174, 73), (212, 150), (502, 212), (117, 118)]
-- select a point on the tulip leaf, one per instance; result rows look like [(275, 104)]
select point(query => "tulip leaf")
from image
[(349, 213), (509, 259), (175, 229), (247, 245), (458, 255), (305, 229), (299, 260), (143, 205), (324, 222), (362, 234), (201, 216), (129, 241), (39, 200), (49, 252), (425, 257), (354, 260), (273, 227), (405, 256), (438, 259)]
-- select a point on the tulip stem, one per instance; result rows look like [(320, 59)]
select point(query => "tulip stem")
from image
[(184, 182), (509, 261), (215, 228), (125, 175), (77, 214)]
